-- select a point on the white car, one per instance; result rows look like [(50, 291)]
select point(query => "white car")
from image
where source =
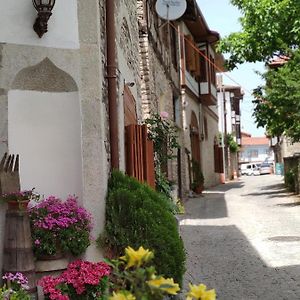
[(250, 169), (265, 168)]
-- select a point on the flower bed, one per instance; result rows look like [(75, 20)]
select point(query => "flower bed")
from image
[(131, 277), (82, 280), (58, 225), (15, 288)]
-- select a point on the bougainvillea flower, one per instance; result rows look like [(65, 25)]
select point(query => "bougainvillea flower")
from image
[(164, 115)]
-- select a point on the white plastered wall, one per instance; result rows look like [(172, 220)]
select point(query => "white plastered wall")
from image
[(20, 16), (44, 129), (190, 106), (207, 149), (80, 55), (206, 146)]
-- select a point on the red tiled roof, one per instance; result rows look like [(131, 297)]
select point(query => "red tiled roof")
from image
[(245, 134), (278, 61), (255, 141)]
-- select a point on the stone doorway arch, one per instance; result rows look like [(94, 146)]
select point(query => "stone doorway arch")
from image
[(195, 138)]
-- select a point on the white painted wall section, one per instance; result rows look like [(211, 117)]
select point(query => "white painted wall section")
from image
[(17, 18), (45, 129)]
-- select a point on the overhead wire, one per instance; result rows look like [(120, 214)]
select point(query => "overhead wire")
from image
[(207, 58), (181, 35)]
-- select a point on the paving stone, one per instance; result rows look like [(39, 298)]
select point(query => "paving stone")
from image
[(242, 239)]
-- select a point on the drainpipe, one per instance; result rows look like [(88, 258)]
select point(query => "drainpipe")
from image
[(112, 83)]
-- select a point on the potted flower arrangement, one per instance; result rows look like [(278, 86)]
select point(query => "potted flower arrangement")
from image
[(83, 280), (59, 226), (130, 277), (198, 178), (15, 288), (18, 200)]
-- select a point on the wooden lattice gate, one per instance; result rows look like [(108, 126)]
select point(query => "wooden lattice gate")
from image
[(139, 154)]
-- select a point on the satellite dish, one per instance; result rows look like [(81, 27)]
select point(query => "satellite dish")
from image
[(170, 9)]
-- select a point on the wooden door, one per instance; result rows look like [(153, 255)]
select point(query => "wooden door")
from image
[(195, 138)]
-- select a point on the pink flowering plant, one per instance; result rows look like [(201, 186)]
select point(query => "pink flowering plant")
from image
[(164, 134), (82, 280), (58, 225), (20, 196), (17, 196), (15, 288)]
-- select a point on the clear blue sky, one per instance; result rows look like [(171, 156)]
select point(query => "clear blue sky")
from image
[(223, 17)]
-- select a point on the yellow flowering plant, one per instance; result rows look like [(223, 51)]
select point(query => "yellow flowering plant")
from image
[(134, 278)]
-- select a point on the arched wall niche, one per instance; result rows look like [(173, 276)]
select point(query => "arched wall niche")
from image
[(44, 127), (44, 77)]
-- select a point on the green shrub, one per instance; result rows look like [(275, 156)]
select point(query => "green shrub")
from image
[(138, 216), (290, 176), (232, 144)]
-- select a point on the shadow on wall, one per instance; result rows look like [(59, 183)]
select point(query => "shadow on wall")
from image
[(222, 258)]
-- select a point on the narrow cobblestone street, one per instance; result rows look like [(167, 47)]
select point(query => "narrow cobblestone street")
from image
[(243, 239)]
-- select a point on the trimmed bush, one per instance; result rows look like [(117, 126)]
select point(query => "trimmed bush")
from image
[(290, 177), (138, 216)]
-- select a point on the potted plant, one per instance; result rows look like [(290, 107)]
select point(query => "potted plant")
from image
[(59, 227), (16, 287), (82, 280), (130, 277), (18, 200), (198, 178)]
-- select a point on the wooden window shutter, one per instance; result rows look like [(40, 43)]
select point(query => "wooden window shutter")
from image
[(190, 54), (203, 67), (139, 154), (197, 62)]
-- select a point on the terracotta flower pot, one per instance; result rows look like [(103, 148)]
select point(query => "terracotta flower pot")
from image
[(198, 189), (17, 205)]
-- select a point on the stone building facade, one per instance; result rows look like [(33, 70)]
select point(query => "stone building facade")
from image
[(159, 73), (198, 66), (54, 103), (168, 84)]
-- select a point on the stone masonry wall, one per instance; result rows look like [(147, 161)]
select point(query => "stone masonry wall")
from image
[(159, 79), (86, 65)]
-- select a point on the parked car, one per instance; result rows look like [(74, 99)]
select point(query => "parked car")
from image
[(265, 168), (250, 169)]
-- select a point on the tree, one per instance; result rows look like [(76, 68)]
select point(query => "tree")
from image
[(277, 104), (269, 28)]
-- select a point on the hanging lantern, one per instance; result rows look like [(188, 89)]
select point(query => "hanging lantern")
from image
[(43, 8)]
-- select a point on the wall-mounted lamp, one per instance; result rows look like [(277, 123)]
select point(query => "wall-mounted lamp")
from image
[(130, 84), (43, 8)]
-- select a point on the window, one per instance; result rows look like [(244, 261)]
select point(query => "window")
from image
[(203, 68), (212, 70), (253, 153), (190, 60)]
